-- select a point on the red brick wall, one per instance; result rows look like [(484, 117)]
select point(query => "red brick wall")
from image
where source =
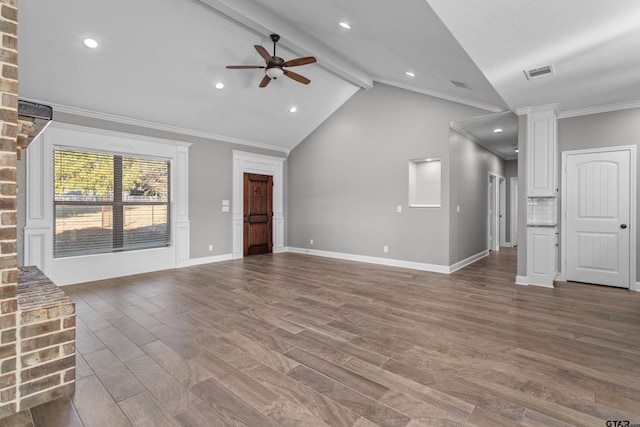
[(8, 256)]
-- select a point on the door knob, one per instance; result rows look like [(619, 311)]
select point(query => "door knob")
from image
[(623, 226)]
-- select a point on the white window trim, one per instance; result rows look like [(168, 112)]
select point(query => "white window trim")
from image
[(38, 232)]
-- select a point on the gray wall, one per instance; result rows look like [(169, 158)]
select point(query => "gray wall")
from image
[(210, 182), (346, 179), (510, 171), (603, 130), (469, 180)]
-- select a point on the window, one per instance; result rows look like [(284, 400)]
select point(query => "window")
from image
[(109, 203), (424, 183)]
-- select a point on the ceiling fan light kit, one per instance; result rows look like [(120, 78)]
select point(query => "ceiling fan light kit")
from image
[(274, 72), (275, 66)]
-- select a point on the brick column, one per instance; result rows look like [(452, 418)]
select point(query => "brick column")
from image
[(8, 255)]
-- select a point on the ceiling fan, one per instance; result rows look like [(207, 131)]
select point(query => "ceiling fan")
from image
[(275, 66)]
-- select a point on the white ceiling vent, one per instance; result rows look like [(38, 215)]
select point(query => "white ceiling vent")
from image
[(534, 73), (461, 84)]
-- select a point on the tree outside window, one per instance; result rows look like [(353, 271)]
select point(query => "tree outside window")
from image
[(109, 203)]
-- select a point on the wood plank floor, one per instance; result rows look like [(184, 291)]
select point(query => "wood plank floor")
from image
[(296, 340)]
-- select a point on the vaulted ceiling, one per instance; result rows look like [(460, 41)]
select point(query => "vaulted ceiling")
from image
[(158, 61)]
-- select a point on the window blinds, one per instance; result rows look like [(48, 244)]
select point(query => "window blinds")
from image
[(109, 203)]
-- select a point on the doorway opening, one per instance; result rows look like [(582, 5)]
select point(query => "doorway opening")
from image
[(513, 229), (496, 217)]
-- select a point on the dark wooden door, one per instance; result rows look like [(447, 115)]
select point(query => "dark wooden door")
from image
[(258, 214)]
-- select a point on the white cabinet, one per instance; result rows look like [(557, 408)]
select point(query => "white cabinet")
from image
[(541, 255), (542, 157)]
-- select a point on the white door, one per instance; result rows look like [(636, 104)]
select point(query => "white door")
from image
[(598, 213)]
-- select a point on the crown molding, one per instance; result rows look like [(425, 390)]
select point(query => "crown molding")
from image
[(464, 101), (156, 126), (456, 127), (526, 110), (599, 109), (109, 132)]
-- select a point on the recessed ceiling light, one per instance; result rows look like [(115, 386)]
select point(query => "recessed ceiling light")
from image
[(345, 25), (497, 130), (219, 85), (293, 109), (90, 43), (410, 74)]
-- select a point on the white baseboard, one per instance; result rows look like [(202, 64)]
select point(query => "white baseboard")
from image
[(392, 262), (636, 287), (541, 285), (473, 258), (206, 260), (524, 281)]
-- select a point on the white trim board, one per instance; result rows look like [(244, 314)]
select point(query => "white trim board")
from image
[(391, 262), (157, 126), (207, 260), (468, 261), (599, 109), (244, 162), (39, 217), (524, 281)]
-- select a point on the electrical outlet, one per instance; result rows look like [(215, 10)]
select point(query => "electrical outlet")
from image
[(385, 249), (210, 247)]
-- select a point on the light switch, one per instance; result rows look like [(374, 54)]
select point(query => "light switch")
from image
[(225, 203), (457, 208), (225, 209), (399, 208)]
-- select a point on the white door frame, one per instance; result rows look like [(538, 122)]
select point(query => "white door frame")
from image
[(244, 162), (513, 189), (493, 244), (633, 284), (502, 211)]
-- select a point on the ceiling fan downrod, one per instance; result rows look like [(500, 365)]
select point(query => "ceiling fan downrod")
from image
[(274, 39)]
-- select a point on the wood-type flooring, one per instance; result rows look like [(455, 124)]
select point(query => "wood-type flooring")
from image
[(298, 340)]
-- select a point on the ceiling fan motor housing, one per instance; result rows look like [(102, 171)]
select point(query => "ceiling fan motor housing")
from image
[(274, 67)]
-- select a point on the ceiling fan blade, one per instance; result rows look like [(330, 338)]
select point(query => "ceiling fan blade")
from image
[(297, 77), (243, 67), (263, 52), (300, 61), (265, 81)]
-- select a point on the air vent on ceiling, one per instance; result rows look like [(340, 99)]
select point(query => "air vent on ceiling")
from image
[(534, 73), (461, 84)]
